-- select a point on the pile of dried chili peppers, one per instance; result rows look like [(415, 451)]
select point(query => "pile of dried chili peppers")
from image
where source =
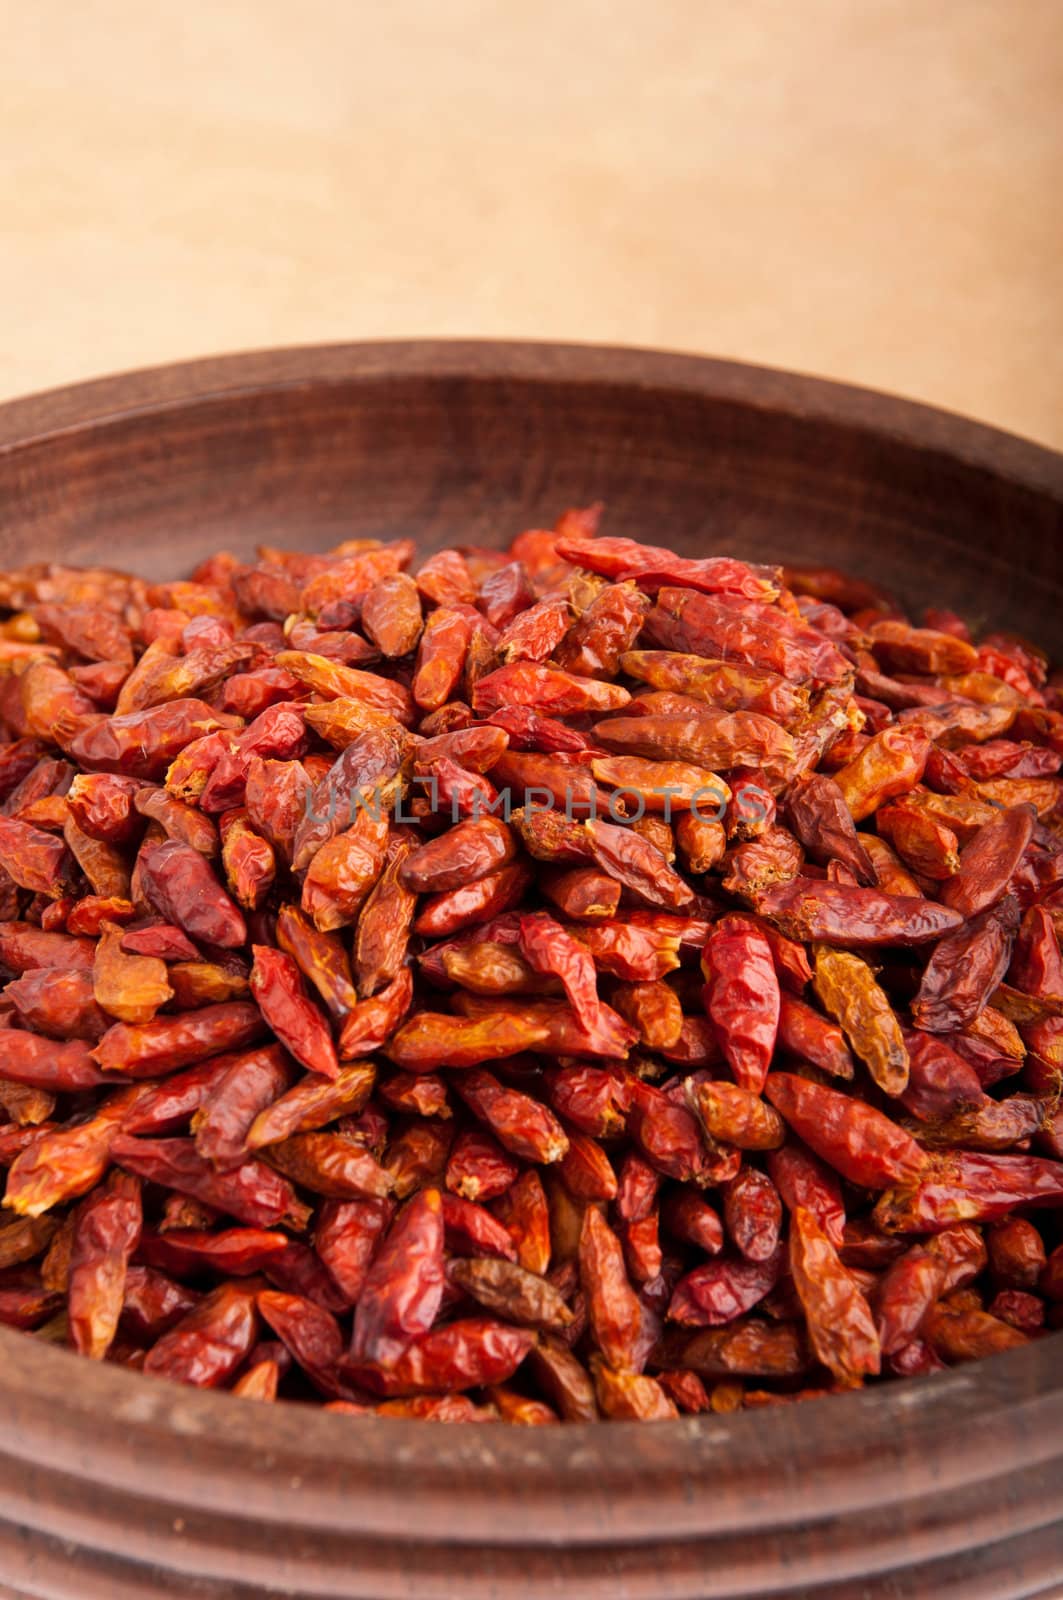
[(566, 982)]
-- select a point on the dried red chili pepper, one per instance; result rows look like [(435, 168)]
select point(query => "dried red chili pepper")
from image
[(891, 764), (312, 1336), (613, 1307), (332, 679), (534, 634), (247, 1085), (564, 1379), (1023, 1311), (587, 1170), (144, 743), (1016, 1253), (183, 889), (249, 860), (178, 820), (361, 782), (846, 987), (630, 1397), (478, 1168), (668, 1136), (24, 948), (150, 1049), (913, 1283), (330, 1165), (840, 1325), (546, 688), (188, 1252), (819, 815), (209, 1344), (258, 1382), (637, 865), (168, 1104), (721, 684), (202, 983), (965, 969), (753, 1214), (742, 998), (689, 1218), (522, 1125), (736, 1116), (105, 1235), (278, 987), (48, 1063), (391, 615), (806, 1034), (968, 1186), (403, 1288), (630, 950), (852, 1137), (447, 913), (511, 1292), (988, 861), (346, 1236), (523, 1209), (431, 1040), (968, 1335), (489, 967), (34, 859), (802, 1180), (721, 1290), (252, 1192), (470, 1353), (343, 870), (130, 988), (806, 908), (153, 1303), (710, 739), (748, 1348), (470, 1229), (553, 952), (468, 852), (24, 1240), (1036, 963), (654, 1010), (708, 625), (621, 558)]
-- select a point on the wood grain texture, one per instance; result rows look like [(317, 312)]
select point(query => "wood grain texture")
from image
[(117, 1487)]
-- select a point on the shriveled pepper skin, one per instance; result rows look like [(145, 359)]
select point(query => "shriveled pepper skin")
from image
[(183, 888), (840, 1323), (742, 998), (846, 987), (807, 908), (105, 1235), (404, 1287), (278, 988), (860, 1143), (965, 969)]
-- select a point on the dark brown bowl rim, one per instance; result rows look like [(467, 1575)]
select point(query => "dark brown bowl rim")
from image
[(62, 1398), (31, 419)]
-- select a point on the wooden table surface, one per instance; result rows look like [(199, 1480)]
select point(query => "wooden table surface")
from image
[(866, 189)]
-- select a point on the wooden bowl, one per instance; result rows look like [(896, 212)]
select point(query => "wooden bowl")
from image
[(119, 1487)]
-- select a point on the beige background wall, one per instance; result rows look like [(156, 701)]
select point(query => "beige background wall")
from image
[(870, 189)]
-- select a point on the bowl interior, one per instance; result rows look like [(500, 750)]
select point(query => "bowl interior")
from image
[(470, 444)]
